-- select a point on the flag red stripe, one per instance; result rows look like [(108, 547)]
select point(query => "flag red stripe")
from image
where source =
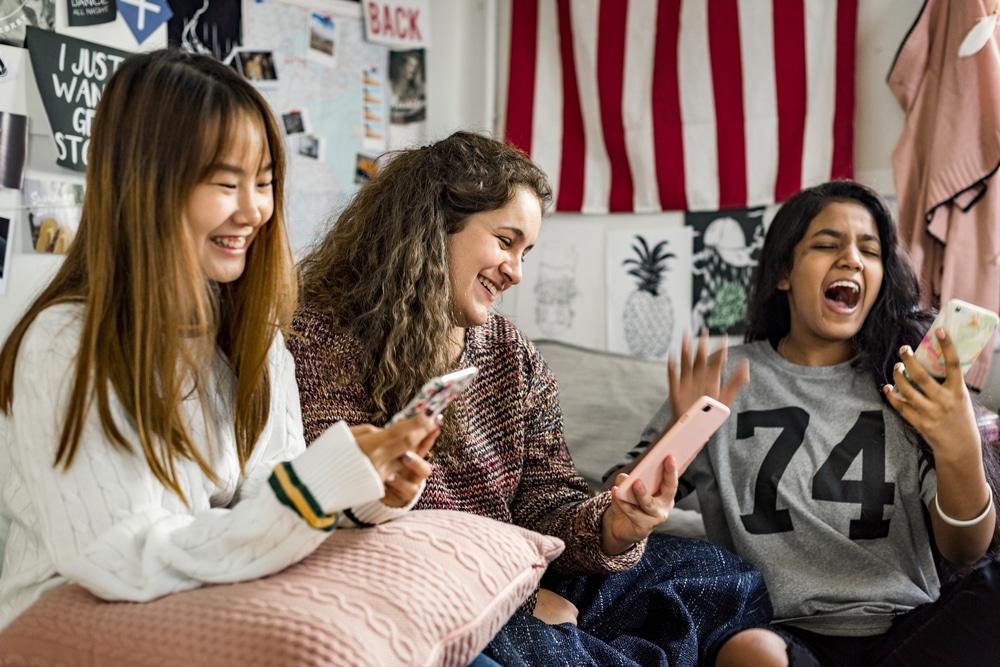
[(613, 22), (521, 79), (843, 119), (727, 84), (574, 140), (668, 131), (790, 81)]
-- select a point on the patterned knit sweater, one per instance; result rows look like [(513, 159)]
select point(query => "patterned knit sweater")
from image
[(512, 463)]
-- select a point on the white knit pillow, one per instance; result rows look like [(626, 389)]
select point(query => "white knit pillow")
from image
[(430, 588)]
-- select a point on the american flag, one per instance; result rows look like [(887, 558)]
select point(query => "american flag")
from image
[(697, 105)]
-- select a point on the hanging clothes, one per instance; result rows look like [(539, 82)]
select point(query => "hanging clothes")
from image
[(945, 162)]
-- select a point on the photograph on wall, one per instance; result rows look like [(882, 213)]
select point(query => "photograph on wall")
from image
[(91, 12), (312, 147), (725, 248), (366, 167), (5, 252), (295, 121), (323, 38), (70, 97), (16, 16), (648, 290), (13, 149), (408, 83), (212, 27), (561, 295), (373, 108), (257, 67), (53, 213)]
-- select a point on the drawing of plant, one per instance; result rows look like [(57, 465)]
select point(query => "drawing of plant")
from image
[(649, 314)]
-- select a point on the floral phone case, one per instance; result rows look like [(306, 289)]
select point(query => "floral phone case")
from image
[(437, 393), (969, 327)]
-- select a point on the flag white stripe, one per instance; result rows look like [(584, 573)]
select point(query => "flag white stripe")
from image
[(821, 82), (701, 156), (597, 165), (637, 105), (760, 94), (547, 111)]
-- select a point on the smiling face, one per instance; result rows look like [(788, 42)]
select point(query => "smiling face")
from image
[(835, 279), (485, 257), (225, 211)]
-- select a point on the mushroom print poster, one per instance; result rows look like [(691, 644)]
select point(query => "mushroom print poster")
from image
[(725, 247), (648, 290)]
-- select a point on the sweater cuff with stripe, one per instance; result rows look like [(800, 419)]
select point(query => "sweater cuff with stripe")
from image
[(330, 476)]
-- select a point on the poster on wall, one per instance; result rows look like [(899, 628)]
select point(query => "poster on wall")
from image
[(70, 74), (143, 17), (91, 12), (725, 248), (327, 95), (407, 80), (211, 27), (561, 296), (648, 290), (16, 16)]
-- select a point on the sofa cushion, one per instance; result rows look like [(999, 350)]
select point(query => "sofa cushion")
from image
[(430, 588), (607, 399)]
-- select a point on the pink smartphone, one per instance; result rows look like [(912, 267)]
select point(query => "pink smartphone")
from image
[(684, 439), (437, 393)]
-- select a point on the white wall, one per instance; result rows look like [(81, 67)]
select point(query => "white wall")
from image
[(461, 76)]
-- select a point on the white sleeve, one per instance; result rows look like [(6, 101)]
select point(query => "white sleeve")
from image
[(108, 524)]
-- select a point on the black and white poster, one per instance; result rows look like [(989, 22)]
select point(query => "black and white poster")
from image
[(16, 16), (70, 74), (5, 244), (211, 27), (91, 12)]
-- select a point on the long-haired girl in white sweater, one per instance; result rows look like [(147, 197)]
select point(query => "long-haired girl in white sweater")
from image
[(153, 422)]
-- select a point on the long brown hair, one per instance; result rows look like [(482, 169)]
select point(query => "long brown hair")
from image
[(381, 272), (152, 321)]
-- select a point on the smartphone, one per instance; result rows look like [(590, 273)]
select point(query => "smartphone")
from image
[(969, 327), (684, 440), (437, 393)]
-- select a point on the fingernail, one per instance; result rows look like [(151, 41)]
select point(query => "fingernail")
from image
[(391, 478), (429, 412), (408, 457), (900, 368), (439, 419)]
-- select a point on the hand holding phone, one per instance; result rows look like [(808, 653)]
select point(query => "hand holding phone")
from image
[(684, 440), (436, 394), (969, 328)]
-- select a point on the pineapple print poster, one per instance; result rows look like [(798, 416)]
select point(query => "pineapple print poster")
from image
[(648, 290), (725, 249)]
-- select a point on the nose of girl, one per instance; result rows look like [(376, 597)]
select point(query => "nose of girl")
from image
[(511, 270)]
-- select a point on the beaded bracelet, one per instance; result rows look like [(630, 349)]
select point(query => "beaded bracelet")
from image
[(962, 524)]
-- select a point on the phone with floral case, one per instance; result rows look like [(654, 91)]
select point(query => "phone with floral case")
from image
[(437, 393), (969, 327)]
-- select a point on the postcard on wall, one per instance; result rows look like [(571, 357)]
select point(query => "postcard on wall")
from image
[(70, 74), (725, 248), (561, 295), (16, 16), (206, 26), (257, 66), (323, 38), (53, 213), (373, 108), (13, 149), (648, 290), (5, 252)]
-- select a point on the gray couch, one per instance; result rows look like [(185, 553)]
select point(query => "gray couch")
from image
[(607, 400)]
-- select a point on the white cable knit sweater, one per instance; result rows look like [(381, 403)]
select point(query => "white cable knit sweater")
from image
[(109, 525)]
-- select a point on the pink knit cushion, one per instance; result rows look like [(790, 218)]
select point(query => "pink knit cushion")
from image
[(430, 588)]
